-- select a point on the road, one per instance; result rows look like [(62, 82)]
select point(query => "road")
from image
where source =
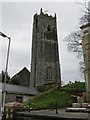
[(61, 114)]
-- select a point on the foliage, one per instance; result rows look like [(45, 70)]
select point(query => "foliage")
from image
[(2, 77), (86, 13), (48, 99), (74, 44), (74, 39), (75, 88)]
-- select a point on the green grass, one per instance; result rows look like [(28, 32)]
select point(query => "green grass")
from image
[(44, 100), (61, 96)]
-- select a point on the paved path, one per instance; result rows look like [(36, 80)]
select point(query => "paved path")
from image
[(61, 114)]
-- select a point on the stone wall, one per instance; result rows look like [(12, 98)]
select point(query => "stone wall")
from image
[(15, 97), (86, 54)]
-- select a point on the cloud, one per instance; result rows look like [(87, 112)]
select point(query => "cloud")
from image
[(17, 23)]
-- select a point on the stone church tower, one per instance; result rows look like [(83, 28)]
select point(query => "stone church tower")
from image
[(45, 66)]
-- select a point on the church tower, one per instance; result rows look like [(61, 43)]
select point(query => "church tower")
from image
[(45, 66)]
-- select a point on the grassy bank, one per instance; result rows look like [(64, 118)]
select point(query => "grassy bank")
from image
[(62, 96), (48, 99)]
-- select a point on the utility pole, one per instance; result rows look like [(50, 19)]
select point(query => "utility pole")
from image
[(4, 87)]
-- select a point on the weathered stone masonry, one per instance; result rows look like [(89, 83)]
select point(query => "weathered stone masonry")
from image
[(45, 67), (86, 53)]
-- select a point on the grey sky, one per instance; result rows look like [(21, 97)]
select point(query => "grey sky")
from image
[(17, 20)]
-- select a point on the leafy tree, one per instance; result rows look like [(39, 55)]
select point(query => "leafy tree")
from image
[(74, 39), (75, 88), (2, 77)]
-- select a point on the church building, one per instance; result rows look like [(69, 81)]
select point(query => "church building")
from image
[(45, 65)]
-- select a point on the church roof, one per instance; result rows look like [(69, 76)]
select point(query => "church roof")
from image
[(16, 89), (21, 71)]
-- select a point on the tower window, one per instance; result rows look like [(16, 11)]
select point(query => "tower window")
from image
[(49, 74), (49, 28)]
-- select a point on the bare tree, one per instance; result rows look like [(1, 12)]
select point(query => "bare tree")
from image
[(74, 39), (86, 13)]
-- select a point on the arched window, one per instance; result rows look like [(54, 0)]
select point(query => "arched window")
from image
[(49, 28), (49, 74)]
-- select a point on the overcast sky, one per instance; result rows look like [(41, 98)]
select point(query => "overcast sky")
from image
[(17, 20)]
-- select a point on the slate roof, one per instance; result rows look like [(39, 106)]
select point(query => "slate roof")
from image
[(20, 72), (16, 89)]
